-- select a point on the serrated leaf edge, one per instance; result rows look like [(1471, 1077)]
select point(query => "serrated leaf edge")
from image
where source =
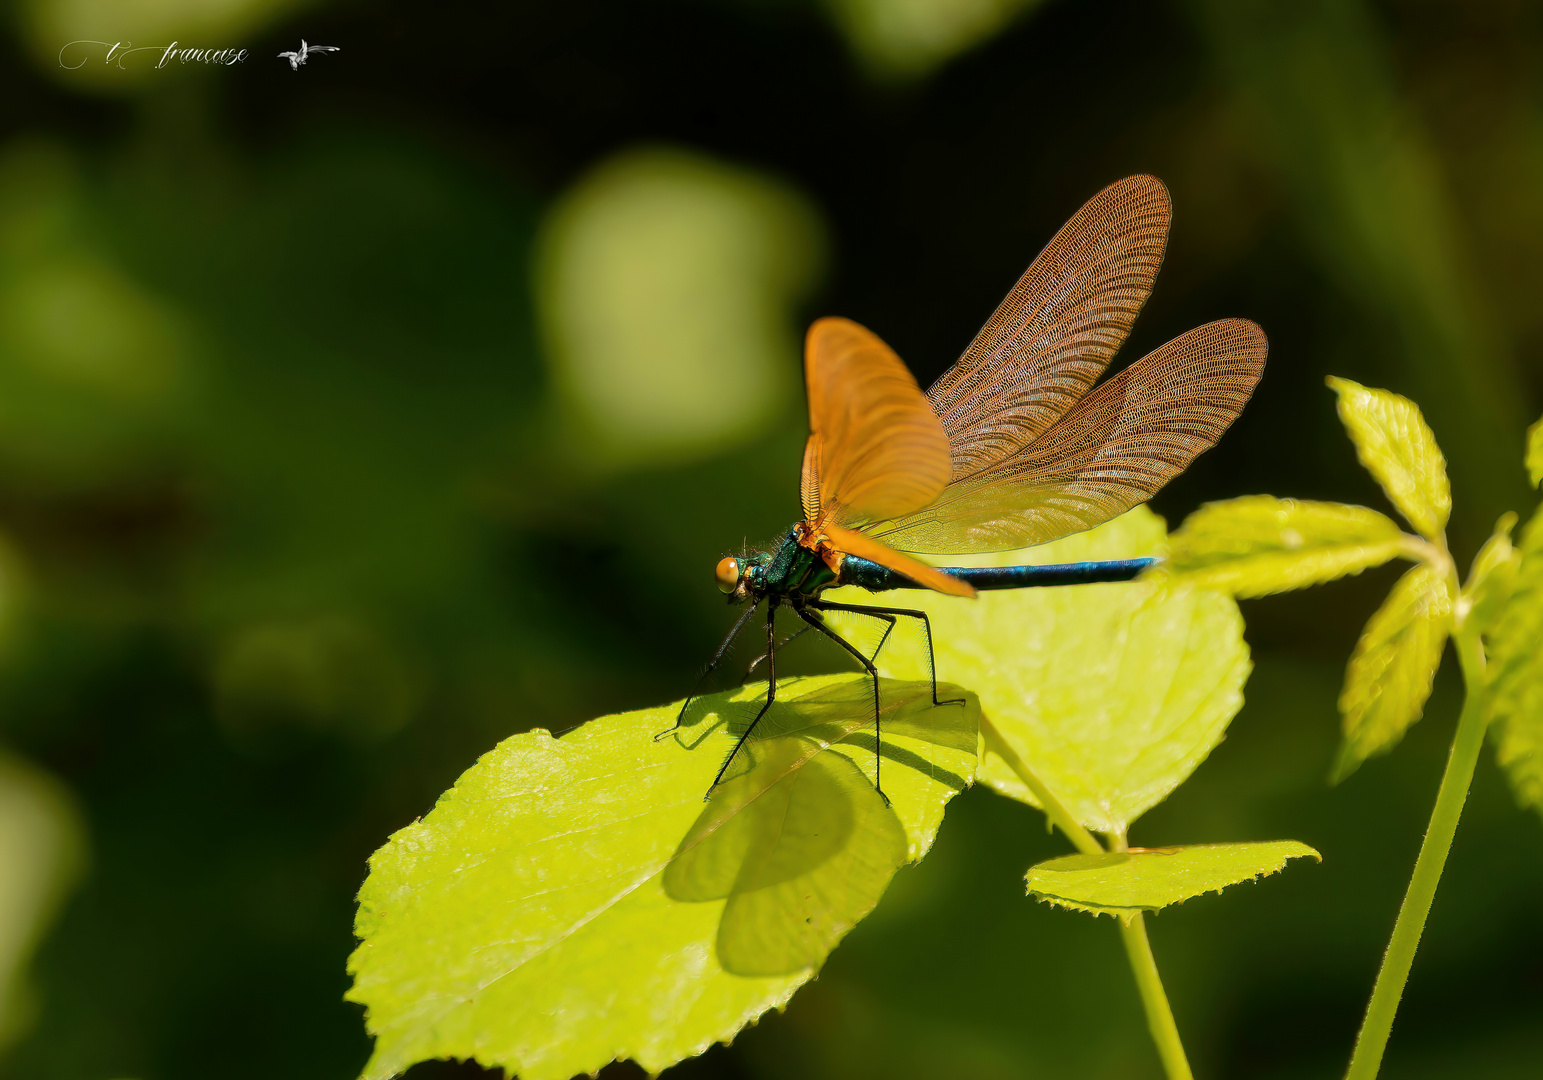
[(1114, 910), (1441, 509)]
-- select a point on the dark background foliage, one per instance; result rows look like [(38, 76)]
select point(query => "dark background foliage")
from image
[(312, 536)]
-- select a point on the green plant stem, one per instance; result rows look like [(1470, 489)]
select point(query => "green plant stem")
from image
[(1372, 1040), (1165, 1033), (1081, 839), (1134, 933)]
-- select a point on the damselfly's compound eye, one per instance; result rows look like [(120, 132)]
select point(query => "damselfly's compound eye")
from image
[(727, 574)]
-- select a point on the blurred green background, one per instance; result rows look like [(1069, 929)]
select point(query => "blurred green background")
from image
[(354, 418)]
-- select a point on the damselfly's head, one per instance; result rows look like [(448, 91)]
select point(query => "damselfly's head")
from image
[(740, 577)]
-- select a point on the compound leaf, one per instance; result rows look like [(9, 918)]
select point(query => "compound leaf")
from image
[(1394, 663), (1149, 879), (1396, 446), (1516, 672), (1112, 693), (1259, 544), (573, 900)]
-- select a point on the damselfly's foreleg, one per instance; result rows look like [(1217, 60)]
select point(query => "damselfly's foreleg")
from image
[(879, 613), (814, 620), (771, 693), (723, 650)]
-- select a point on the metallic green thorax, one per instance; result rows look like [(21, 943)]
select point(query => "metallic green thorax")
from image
[(792, 571)]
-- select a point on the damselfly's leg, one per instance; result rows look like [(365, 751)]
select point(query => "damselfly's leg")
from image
[(814, 620), (723, 650), (879, 613), (771, 692), (794, 636)]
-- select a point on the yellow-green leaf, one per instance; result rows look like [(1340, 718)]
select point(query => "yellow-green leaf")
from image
[(1112, 693), (1260, 544), (1149, 879), (1397, 447), (1394, 663), (573, 900), (1516, 672), (1535, 453), (1492, 576)]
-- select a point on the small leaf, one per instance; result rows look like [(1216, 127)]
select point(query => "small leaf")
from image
[(1259, 544), (1492, 576), (1397, 447), (1516, 672), (1149, 879), (1113, 693), (1535, 453), (1391, 670), (573, 900)]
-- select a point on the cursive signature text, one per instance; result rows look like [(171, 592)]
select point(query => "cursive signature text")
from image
[(117, 51)]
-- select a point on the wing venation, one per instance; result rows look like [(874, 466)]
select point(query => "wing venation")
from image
[(1113, 449), (1058, 328), (875, 449)]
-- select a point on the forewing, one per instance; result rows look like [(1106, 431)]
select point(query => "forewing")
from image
[(809, 481), (1114, 449), (876, 449), (1057, 330)]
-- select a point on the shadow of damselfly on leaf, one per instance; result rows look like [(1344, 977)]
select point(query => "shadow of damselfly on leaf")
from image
[(796, 838)]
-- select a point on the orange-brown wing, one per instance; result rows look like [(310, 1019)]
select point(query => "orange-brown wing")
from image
[(876, 449), (866, 547), (1114, 449), (1057, 330)]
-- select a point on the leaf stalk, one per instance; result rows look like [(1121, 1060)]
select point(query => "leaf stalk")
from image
[(1081, 839), (1372, 1040), (1165, 1033), (1133, 931)]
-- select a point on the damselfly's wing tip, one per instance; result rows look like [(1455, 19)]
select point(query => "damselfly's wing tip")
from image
[(1245, 340), (1141, 191)]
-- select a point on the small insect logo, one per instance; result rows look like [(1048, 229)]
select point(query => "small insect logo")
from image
[(305, 52)]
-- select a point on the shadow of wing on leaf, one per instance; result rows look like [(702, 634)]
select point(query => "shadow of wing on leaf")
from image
[(795, 840), (800, 845)]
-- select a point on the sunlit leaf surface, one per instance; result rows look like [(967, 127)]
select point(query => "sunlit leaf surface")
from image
[(1148, 879), (1259, 544), (573, 900), (1396, 446), (1393, 665), (1111, 694), (1516, 672)]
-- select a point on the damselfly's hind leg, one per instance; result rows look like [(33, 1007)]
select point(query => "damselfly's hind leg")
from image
[(813, 619), (887, 614), (723, 650)]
